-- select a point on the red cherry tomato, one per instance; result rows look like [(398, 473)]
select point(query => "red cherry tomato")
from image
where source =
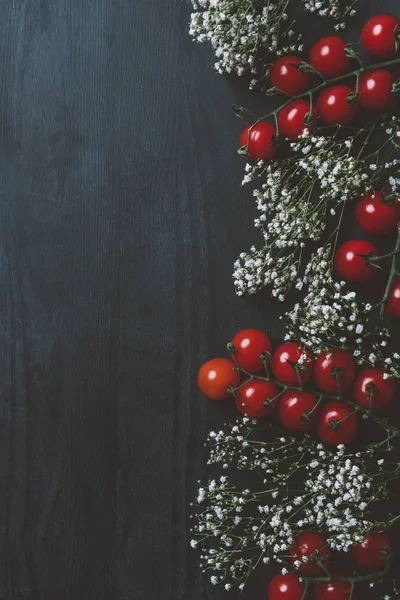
[(286, 357), (261, 144), (328, 57), (292, 119), (250, 344), (375, 216), (292, 408), (313, 546), (375, 89), (333, 362), (393, 301), (379, 35), (349, 261), (251, 396), (334, 433), (215, 376), (334, 590), (333, 107), (285, 587), (372, 390), (287, 78), (371, 552)]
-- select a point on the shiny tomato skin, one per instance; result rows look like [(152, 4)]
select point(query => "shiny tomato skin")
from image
[(393, 301), (287, 78), (385, 389), (309, 544), (328, 57), (250, 398), (375, 90), (347, 429), (351, 265), (333, 107), (286, 587), (291, 407), (291, 119), (261, 146), (378, 35), (284, 355), (333, 590), (368, 553), (324, 365), (376, 217), (250, 344), (215, 376)]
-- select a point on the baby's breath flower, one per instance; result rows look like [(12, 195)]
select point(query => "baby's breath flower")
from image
[(339, 489), (337, 10), (243, 34), (289, 214)]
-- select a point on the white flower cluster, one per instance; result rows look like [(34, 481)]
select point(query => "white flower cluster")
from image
[(329, 311), (244, 34), (298, 195), (238, 529), (338, 10), (342, 494)]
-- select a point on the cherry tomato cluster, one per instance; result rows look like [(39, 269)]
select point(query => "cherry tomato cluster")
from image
[(352, 259), (292, 366), (336, 104), (313, 548), (333, 372)]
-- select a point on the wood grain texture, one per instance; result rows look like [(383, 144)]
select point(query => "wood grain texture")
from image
[(120, 218)]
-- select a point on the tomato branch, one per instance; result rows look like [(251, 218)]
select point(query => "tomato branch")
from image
[(318, 88), (392, 431)]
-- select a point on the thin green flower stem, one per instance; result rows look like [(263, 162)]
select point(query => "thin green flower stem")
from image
[(336, 232), (393, 521), (366, 141), (392, 275)]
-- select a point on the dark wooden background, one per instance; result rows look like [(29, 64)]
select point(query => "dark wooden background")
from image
[(120, 217)]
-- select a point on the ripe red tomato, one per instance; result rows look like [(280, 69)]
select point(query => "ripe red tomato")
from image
[(379, 35), (250, 398), (371, 390), (371, 552), (286, 357), (349, 261), (287, 78), (375, 89), (292, 407), (286, 587), (250, 344), (345, 431), (291, 119), (375, 216), (215, 376), (328, 57), (393, 301), (333, 107), (315, 547), (261, 144), (329, 362), (333, 590)]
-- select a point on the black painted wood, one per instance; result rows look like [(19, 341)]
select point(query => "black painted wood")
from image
[(120, 217)]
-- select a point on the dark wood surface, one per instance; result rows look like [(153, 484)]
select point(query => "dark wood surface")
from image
[(120, 217)]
